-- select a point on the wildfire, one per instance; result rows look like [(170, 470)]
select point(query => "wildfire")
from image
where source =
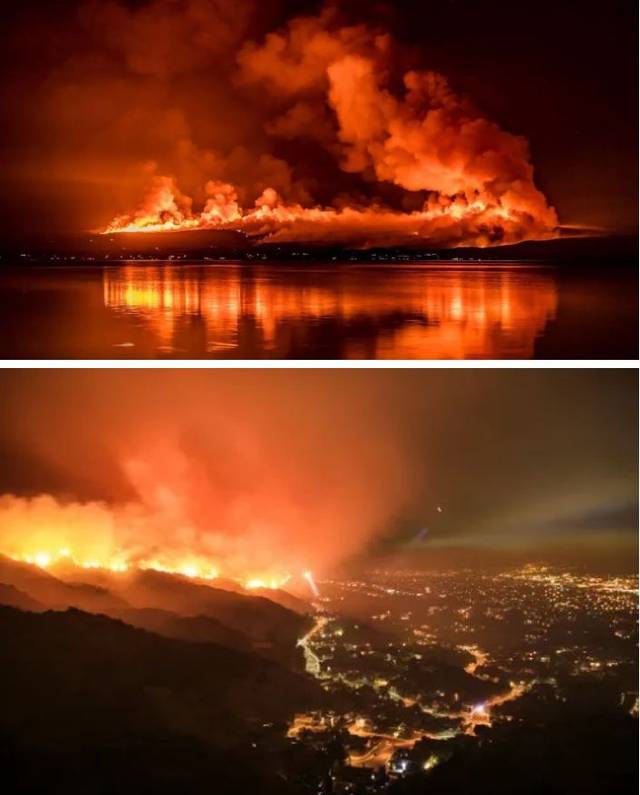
[(465, 218), (193, 568), (459, 178), (266, 582), (45, 559)]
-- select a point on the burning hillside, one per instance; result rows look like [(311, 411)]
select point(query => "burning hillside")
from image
[(80, 539)]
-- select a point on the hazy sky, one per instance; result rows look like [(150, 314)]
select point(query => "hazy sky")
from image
[(319, 466)]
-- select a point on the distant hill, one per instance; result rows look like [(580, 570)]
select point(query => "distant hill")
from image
[(277, 595), (285, 599), (13, 597), (169, 604), (201, 629), (272, 629), (565, 250), (53, 593)]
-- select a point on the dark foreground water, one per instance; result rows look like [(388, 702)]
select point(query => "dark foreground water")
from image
[(235, 310)]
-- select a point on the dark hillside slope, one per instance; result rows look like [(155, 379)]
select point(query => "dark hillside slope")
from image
[(65, 669), (273, 630), (78, 689)]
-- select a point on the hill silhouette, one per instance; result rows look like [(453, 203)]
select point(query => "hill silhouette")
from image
[(202, 629), (14, 597), (169, 604), (272, 629), (155, 713), (52, 592)]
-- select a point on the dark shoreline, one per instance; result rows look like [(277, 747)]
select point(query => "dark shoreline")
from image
[(193, 247)]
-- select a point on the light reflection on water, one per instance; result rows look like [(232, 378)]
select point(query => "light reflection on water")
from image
[(340, 312), (337, 311)]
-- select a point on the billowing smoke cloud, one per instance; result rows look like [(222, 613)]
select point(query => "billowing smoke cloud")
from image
[(260, 473), (317, 130), (248, 476)]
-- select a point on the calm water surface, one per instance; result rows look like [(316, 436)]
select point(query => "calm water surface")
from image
[(235, 310)]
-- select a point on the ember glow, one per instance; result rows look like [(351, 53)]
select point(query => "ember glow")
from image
[(459, 178)]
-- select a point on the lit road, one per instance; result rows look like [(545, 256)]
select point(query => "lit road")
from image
[(311, 660), (480, 658), (379, 754), (383, 746)]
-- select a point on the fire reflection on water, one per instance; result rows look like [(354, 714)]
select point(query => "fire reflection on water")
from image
[(354, 312)]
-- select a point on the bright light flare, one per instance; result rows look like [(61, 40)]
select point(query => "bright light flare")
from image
[(308, 576), (42, 559), (479, 711)]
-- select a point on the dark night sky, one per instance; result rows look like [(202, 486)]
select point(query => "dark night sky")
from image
[(561, 73), (334, 460)]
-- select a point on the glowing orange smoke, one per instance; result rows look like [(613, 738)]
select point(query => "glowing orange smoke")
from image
[(470, 181), (47, 534)]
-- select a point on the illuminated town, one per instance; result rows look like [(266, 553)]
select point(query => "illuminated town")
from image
[(426, 663)]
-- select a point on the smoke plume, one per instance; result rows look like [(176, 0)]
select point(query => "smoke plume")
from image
[(248, 476), (318, 128), (262, 473)]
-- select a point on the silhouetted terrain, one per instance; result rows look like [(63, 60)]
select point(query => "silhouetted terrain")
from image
[(169, 689), (52, 592), (271, 628), (599, 249), (589, 754), (14, 597), (201, 629), (171, 605), (91, 704), (158, 700)]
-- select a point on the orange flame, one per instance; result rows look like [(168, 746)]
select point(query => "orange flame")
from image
[(193, 567), (465, 218), (338, 87)]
